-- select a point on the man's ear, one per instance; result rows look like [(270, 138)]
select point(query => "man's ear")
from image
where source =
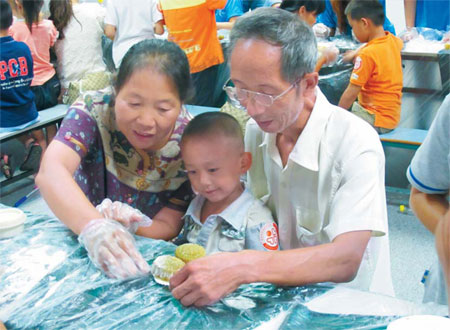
[(310, 81), (246, 162)]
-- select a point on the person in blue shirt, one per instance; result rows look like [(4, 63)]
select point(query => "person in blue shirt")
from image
[(252, 4), (334, 18), (434, 14), (17, 107), (226, 16)]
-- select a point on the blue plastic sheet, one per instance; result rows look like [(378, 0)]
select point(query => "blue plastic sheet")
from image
[(48, 282)]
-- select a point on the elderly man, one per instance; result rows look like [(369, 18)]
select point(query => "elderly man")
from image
[(318, 167)]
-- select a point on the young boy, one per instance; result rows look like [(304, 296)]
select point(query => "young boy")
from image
[(308, 10), (224, 216), (377, 75), (17, 106)]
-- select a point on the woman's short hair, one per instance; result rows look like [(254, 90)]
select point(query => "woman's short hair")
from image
[(165, 57)]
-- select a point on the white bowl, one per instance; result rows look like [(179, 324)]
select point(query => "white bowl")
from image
[(11, 222), (416, 322)]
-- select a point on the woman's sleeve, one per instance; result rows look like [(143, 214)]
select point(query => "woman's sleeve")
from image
[(53, 34), (78, 131), (180, 198)]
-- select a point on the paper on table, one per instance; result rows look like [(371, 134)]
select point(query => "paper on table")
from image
[(342, 300)]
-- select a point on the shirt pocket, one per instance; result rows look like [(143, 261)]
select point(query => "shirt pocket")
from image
[(231, 239), (309, 222)]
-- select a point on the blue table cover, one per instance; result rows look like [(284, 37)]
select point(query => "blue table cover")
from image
[(48, 282)]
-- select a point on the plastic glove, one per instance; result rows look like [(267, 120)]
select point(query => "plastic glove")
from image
[(408, 34), (321, 30), (331, 53), (128, 216), (112, 248)]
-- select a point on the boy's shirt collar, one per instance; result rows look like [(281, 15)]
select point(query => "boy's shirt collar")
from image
[(380, 39), (234, 214)]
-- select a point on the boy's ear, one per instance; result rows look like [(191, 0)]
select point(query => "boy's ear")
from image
[(365, 22), (246, 162), (301, 11)]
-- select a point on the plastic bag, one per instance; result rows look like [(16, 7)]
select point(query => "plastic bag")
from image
[(48, 282)]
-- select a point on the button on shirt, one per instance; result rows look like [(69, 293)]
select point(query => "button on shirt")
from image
[(333, 183), (241, 225)]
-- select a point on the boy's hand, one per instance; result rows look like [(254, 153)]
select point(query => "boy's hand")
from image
[(128, 216), (111, 248), (349, 56)]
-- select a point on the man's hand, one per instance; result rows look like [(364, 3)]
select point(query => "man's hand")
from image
[(204, 281)]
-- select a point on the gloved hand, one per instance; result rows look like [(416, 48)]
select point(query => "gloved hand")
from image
[(321, 30), (408, 34), (111, 248), (128, 216), (330, 53)]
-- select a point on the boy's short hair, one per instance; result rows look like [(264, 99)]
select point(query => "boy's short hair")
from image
[(369, 9), (311, 6), (213, 123), (6, 17)]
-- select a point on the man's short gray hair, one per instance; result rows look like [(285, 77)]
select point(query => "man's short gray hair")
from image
[(280, 28)]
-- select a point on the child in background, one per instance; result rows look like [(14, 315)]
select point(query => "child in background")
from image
[(377, 78), (80, 27), (225, 17), (17, 108), (308, 10), (198, 39), (224, 216), (131, 21), (39, 34)]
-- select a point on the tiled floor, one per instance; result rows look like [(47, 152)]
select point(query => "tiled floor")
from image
[(412, 246)]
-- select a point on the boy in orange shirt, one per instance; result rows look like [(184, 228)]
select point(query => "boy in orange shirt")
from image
[(377, 78)]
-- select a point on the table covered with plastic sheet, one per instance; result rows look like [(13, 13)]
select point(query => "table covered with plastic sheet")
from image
[(48, 282)]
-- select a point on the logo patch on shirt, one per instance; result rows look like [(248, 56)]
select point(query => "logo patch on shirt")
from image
[(268, 236), (358, 63), (355, 76)]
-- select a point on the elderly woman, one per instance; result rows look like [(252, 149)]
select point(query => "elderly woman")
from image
[(123, 146)]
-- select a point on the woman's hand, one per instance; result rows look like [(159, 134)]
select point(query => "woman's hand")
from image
[(128, 216), (111, 248)]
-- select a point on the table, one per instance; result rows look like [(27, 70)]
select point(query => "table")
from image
[(47, 282), (47, 117)]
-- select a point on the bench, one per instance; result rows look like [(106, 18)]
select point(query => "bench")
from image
[(47, 117), (401, 137)]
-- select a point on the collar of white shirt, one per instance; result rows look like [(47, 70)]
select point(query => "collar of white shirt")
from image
[(235, 214), (306, 150)]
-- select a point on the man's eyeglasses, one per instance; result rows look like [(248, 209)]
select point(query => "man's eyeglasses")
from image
[(240, 95)]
